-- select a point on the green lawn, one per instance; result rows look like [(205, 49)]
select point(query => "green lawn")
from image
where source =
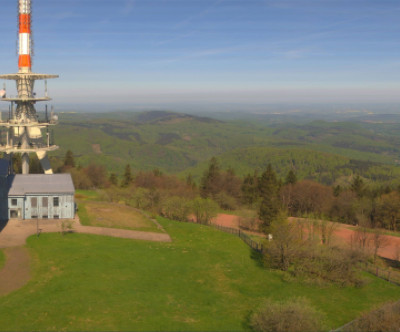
[(82, 194), (205, 280), (2, 259)]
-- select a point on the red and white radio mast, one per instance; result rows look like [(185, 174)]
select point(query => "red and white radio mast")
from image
[(24, 129)]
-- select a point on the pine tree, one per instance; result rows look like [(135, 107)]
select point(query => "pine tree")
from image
[(190, 182), (211, 180), (113, 179), (69, 159), (358, 186), (250, 189), (291, 178), (127, 179), (268, 188)]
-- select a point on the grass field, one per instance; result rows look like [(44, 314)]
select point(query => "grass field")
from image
[(104, 214), (2, 259), (204, 280)]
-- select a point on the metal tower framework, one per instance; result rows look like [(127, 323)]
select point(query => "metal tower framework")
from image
[(23, 129)]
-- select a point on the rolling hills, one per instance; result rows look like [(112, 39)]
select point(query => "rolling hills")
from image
[(182, 143)]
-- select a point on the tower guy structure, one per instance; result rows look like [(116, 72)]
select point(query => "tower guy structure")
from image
[(23, 128), (30, 196)]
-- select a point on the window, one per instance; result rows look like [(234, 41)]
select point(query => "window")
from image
[(45, 217), (34, 201), (45, 201), (56, 216), (55, 201), (14, 202)]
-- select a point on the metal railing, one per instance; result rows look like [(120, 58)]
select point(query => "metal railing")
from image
[(245, 237)]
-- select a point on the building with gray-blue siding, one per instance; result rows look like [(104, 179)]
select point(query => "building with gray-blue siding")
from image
[(40, 196)]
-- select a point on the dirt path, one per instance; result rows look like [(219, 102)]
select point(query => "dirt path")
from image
[(16, 271), (17, 231), (123, 233)]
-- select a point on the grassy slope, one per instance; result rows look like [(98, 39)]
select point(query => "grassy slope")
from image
[(2, 259), (203, 280)]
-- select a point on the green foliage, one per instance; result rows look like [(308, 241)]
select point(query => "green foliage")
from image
[(296, 247), (69, 160), (204, 209), (294, 315), (291, 178), (176, 208), (268, 187), (113, 179), (83, 215), (250, 193), (127, 177), (211, 180), (328, 152), (358, 186)]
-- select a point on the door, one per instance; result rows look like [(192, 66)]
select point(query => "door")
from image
[(34, 207)]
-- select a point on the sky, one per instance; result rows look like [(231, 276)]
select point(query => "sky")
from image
[(129, 54)]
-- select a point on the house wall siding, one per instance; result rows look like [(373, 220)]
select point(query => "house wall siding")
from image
[(64, 210)]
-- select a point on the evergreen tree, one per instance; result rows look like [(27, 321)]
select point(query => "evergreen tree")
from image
[(113, 179), (211, 180), (269, 188), (190, 182), (69, 159), (291, 178), (358, 186), (337, 190), (250, 189), (127, 179)]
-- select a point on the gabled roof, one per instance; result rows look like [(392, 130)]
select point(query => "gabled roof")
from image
[(40, 184)]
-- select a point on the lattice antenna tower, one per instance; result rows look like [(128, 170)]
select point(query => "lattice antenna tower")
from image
[(23, 127)]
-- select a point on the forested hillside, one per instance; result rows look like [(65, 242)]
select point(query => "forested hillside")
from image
[(328, 152)]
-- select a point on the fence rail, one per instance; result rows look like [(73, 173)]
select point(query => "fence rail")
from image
[(388, 275), (247, 239)]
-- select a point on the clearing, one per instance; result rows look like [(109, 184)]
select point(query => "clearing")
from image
[(205, 280), (105, 214)]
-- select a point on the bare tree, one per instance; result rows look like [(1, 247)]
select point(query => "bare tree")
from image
[(379, 241)]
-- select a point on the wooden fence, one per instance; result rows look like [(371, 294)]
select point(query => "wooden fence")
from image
[(246, 238), (386, 274)]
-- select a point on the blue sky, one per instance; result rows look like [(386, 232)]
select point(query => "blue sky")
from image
[(145, 53)]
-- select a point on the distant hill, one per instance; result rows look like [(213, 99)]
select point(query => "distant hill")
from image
[(181, 143)]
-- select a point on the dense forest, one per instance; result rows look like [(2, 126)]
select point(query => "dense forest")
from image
[(181, 144), (168, 162), (257, 197)]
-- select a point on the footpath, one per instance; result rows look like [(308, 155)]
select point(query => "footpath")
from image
[(16, 271)]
